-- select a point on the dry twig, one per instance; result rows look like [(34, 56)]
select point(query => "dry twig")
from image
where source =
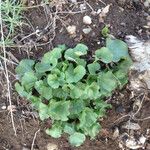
[(32, 146), (6, 69)]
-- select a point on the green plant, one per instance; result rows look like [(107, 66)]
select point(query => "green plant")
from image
[(11, 16), (65, 87), (105, 31)]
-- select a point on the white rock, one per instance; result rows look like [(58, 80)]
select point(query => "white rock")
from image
[(116, 133), (87, 30), (87, 20), (52, 146), (146, 3), (73, 1), (132, 144), (99, 11), (131, 126), (140, 52), (142, 140), (71, 30), (82, 7), (3, 107)]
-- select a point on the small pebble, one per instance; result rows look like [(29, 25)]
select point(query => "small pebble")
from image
[(123, 24), (146, 3), (87, 30), (99, 11), (3, 107), (71, 30), (87, 20), (82, 7), (52, 146), (73, 1)]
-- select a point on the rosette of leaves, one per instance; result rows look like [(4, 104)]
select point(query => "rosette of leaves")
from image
[(70, 91)]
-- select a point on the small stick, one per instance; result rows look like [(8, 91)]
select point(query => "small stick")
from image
[(6, 69), (32, 146)]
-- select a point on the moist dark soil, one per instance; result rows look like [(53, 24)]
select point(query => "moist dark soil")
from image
[(124, 19)]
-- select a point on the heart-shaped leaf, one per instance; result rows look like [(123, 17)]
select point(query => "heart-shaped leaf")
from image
[(55, 131), (80, 50), (93, 67), (77, 139), (118, 48), (43, 89), (73, 75), (28, 80), (87, 118), (59, 110), (25, 65), (20, 89), (104, 54)]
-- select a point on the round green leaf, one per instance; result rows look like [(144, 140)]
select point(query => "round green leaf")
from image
[(25, 65), (59, 110), (43, 111), (73, 75), (20, 89), (55, 131), (118, 48), (93, 67), (69, 128), (77, 139), (80, 49), (44, 90), (104, 54), (55, 80), (107, 82), (28, 80)]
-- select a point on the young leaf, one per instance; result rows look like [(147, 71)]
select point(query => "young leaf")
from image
[(54, 54), (59, 93), (59, 110), (87, 118), (77, 106), (105, 31), (55, 131), (42, 67), (80, 49), (28, 80), (76, 139), (25, 65), (69, 128), (43, 111), (104, 54), (70, 55), (75, 92), (118, 48), (93, 130), (56, 79), (100, 107), (43, 90), (93, 67), (20, 89), (107, 82), (92, 91), (73, 55), (62, 47), (73, 75)]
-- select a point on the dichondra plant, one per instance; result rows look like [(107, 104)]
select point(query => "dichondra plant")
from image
[(69, 90)]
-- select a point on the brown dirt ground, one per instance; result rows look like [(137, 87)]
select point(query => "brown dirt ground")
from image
[(124, 19)]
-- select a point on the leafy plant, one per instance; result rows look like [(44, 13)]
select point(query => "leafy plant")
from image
[(70, 91), (105, 31)]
